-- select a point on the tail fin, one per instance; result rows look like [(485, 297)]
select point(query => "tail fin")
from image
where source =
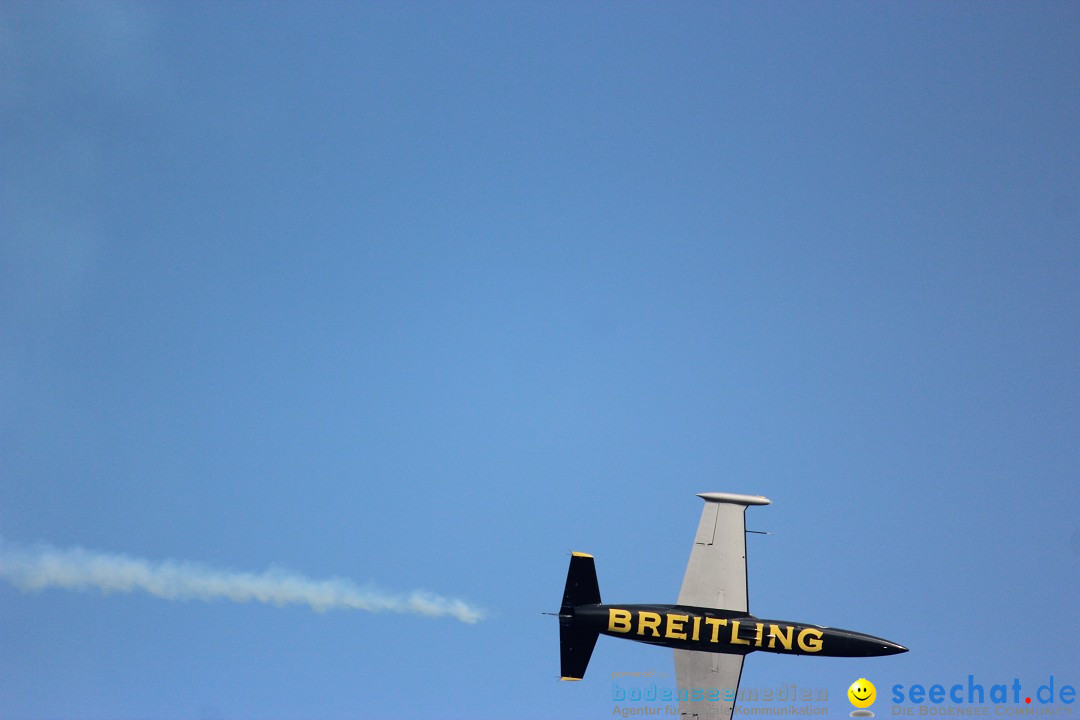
[(581, 585), (577, 643)]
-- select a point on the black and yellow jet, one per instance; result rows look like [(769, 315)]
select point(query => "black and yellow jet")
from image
[(710, 628)]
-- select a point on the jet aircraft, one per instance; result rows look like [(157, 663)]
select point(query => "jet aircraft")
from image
[(710, 627)]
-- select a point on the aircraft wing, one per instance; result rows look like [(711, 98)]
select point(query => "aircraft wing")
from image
[(716, 673), (715, 578), (716, 574)]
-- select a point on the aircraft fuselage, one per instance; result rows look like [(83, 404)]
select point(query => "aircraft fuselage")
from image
[(725, 631)]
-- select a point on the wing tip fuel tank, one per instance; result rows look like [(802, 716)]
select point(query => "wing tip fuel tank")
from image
[(734, 498)]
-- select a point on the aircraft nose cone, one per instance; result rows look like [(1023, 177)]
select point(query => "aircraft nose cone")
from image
[(892, 648)]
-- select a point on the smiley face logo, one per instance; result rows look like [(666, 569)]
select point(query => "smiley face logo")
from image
[(862, 693)]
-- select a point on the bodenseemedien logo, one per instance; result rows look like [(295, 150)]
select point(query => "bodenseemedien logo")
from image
[(862, 694)]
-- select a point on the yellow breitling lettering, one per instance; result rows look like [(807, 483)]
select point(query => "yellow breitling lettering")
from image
[(715, 623), (757, 635), (735, 639), (648, 620), (675, 626), (776, 633), (697, 627), (618, 620), (814, 643)]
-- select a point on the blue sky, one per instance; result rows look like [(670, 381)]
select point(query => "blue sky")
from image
[(425, 295)]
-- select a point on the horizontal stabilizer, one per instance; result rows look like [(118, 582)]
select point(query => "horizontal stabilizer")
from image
[(576, 646), (576, 643), (581, 585)]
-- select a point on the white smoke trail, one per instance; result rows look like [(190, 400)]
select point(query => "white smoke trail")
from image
[(43, 566)]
